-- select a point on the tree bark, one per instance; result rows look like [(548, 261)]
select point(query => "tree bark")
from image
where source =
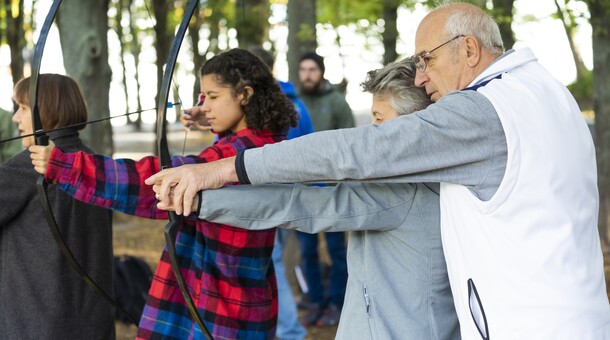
[(15, 37), (163, 37), (503, 13), (198, 55), (120, 5), (135, 51), (251, 22), (390, 30), (301, 33), (83, 32), (568, 21), (600, 22)]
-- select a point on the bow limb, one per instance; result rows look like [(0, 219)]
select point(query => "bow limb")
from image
[(41, 138), (175, 221)]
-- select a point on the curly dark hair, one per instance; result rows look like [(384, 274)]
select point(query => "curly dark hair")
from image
[(268, 108)]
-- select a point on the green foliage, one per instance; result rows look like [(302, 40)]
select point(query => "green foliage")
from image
[(306, 32), (436, 3), (343, 12), (582, 89)]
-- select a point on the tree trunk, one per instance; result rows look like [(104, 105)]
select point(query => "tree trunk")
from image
[(83, 32), (15, 37), (135, 51), (301, 33), (251, 22), (214, 25), (600, 21), (120, 5), (569, 25), (390, 31), (503, 13), (164, 37), (198, 56)]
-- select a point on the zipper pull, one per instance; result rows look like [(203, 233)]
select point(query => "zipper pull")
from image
[(367, 302)]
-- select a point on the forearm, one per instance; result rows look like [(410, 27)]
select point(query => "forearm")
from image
[(346, 207), (105, 182), (440, 144)]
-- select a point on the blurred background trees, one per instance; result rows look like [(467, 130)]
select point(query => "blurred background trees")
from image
[(127, 41)]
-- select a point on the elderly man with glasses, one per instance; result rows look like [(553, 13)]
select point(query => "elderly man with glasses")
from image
[(516, 162)]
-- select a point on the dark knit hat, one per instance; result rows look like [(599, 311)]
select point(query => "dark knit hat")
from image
[(315, 57)]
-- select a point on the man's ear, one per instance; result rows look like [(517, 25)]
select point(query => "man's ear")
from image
[(246, 95), (473, 50)]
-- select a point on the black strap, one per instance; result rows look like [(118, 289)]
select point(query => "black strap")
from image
[(479, 85), (240, 169)]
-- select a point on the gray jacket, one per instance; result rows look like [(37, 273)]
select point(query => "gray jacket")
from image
[(425, 146), (328, 109), (41, 295), (398, 286)]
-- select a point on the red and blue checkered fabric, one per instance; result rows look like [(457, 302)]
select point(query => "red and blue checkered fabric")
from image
[(228, 270)]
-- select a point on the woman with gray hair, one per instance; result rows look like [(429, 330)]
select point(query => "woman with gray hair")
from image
[(394, 92), (398, 286)]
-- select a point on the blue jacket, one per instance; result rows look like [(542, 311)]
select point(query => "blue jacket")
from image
[(304, 126)]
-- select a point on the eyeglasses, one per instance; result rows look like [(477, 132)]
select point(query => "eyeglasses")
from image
[(421, 59)]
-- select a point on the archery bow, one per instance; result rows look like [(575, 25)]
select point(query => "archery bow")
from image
[(41, 138), (175, 221)]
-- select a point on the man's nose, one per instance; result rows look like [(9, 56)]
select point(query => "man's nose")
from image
[(421, 78)]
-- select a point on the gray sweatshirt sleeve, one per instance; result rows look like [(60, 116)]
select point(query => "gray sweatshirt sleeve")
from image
[(457, 140), (311, 209)]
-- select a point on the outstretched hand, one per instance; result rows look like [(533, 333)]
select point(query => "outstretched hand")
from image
[(176, 188), (40, 155)]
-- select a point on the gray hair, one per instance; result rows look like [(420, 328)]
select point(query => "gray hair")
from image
[(473, 21), (396, 82)]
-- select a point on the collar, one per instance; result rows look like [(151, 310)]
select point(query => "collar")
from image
[(506, 62)]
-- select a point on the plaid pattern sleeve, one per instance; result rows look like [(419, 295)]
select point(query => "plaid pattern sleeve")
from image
[(102, 181), (228, 270), (119, 184)]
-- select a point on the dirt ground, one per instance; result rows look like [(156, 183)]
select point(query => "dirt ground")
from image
[(144, 238)]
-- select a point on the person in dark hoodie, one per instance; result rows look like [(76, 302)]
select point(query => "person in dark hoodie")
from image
[(326, 104), (42, 297), (329, 111)]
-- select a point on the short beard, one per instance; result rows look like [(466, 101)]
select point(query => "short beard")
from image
[(314, 89)]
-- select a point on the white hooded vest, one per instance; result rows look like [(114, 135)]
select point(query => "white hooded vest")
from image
[(527, 264)]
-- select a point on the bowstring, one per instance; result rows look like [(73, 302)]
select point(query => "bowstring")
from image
[(82, 124), (174, 84)]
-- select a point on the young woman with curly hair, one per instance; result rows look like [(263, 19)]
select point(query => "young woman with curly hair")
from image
[(228, 270)]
